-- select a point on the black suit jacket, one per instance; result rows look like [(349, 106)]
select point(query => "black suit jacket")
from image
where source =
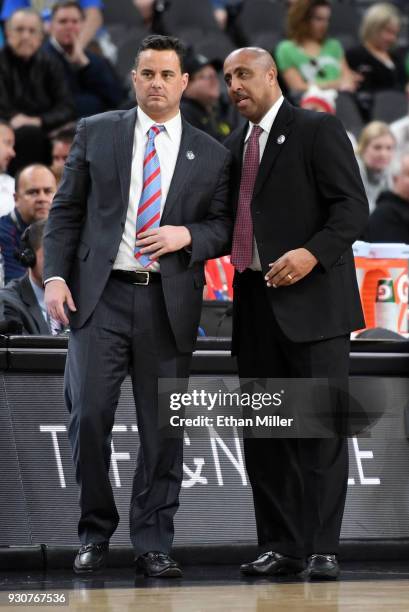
[(88, 214), (19, 303), (308, 193)]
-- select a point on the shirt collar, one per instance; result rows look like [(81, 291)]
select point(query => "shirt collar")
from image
[(267, 121), (38, 292), (54, 42), (173, 126)]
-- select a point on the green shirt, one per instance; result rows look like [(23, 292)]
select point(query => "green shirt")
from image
[(318, 69)]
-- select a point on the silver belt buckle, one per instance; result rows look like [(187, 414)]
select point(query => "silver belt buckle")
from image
[(146, 278)]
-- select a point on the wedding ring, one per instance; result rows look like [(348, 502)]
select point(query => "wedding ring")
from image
[(289, 277)]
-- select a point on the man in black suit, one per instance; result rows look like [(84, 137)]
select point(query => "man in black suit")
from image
[(299, 204), (22, 299), (134, 290)]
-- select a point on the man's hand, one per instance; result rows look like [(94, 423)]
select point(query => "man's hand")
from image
[(56, 295), (77, 55), (20, 120), (161, 240), (290, 268)]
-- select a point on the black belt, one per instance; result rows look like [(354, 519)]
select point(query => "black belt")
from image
[(136, 278)]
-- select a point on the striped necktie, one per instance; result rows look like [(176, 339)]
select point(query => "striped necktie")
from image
[(242, 247), (150, 203)]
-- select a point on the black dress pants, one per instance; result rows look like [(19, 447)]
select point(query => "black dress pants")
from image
[(129, 330), (299, 484)]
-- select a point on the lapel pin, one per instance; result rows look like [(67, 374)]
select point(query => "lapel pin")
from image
[(281, 139), (190, 155)]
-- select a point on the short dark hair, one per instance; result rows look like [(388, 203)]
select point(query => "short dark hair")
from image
[(64, 135), (35, 234), (5, 123), (66, 4), (157, 42)]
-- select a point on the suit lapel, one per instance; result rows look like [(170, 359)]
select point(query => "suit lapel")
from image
[(236, 146), (277, 139), (186, 162), (30, 300), (124, 133)]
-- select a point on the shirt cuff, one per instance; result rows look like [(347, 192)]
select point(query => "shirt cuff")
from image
[(53, 278)]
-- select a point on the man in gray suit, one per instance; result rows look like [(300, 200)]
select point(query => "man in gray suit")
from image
[(133, 286), (22, 300)]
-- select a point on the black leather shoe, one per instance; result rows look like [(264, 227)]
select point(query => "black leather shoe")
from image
[(157, 564), (271, 564), (91, 558), (322, 567)]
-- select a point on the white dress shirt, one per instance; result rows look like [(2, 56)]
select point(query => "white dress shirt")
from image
[(6, 194), (266, 124), (167, 145)]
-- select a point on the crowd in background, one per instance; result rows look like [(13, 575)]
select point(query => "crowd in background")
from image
[(60, 61)]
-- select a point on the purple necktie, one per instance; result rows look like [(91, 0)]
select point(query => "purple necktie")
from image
[(242, 249)]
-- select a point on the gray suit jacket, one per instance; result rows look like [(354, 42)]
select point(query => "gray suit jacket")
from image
[(88, 216), (19, 303)]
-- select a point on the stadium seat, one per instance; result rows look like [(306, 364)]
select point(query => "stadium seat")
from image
[(195, 24), (348, 113), (389, 106), (262, 22), (344, 25)]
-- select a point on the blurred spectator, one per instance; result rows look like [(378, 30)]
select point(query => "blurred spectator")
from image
[(23, 298), (223, 9), (309, 56), (35, 188), (7, 153), (376, 147), (146, 9), (60, 148), (33, 94), (320, 100), (375, 59), (93, 83), (400, 130), (201, 104), (93, 19), (323, 101), (389, 222)]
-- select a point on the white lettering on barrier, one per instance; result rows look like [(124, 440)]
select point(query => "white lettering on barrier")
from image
[(53, 430), (359, 455), (238, 463), (196, 476), (115, 457)]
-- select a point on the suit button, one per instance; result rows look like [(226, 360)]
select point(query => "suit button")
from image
[(111, 260), (122, 224), (257, 212)]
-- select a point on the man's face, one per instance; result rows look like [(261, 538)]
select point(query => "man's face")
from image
[(60, 153), (66, 26), (7, 151), (204, 86), (402, 180), (35, 193), (251, 86), (24, 34), (159, 83)]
